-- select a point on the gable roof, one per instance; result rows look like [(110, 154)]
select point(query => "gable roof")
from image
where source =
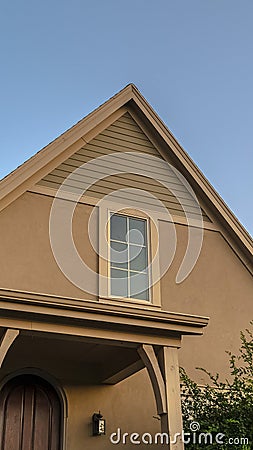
[(129, 98)]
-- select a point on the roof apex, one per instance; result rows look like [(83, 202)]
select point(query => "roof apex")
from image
[(18, 181)]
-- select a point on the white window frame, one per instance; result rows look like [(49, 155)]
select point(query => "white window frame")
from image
[(104, 257), (147, 246)]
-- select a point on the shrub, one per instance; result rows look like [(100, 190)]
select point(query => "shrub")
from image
[(222, 407)]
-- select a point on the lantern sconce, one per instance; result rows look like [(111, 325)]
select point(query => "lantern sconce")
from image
[(98, 424)]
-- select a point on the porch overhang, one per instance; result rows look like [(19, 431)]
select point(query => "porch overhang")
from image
[(101, 328)]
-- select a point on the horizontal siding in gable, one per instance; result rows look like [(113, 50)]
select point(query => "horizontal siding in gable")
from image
[(121, 137), (100, 191), (122, 181), (108, 184)]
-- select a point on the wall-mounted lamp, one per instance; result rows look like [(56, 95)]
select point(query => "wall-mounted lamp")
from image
[(98, 424)]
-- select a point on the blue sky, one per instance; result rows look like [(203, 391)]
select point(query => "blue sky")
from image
[(191, 59)]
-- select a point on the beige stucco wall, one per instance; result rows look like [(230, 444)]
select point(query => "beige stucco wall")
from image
[(28, 263), (219, 286), (125, 406)]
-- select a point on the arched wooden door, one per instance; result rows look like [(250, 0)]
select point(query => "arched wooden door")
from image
[(30, 415)]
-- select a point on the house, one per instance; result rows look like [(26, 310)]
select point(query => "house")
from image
[(115, 253)]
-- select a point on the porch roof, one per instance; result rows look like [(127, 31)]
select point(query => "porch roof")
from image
[(93, 328)]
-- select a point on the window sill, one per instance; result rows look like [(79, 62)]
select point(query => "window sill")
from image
[(129, 302)]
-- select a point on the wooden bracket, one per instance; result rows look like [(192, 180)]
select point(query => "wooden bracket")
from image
[(149, 358), (164, 375), (6, 342)]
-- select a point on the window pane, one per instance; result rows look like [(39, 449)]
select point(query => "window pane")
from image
[(137, 231), (139, 286), (119, 283), (118, 227), (138, 258), (119, 255)]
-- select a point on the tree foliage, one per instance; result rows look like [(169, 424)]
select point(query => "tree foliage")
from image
[(222, 407)]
